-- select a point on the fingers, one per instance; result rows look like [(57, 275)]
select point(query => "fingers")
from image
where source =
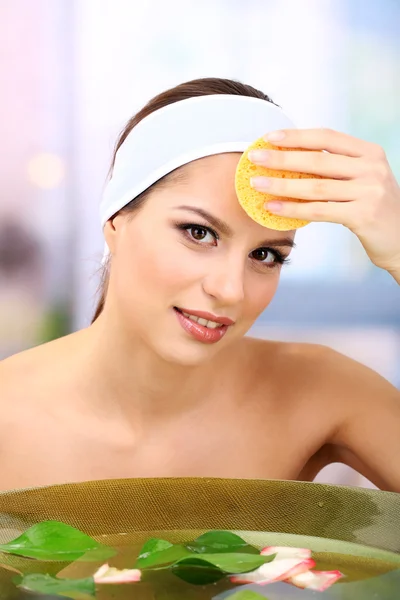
[(314, 163), (330, 212), (353, 177), (308, 188), (325, 139)]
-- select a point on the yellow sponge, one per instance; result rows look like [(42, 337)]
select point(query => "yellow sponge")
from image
[(252, 201)]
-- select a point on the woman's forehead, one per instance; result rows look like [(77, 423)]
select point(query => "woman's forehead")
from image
[(217, 164), (210, 177), (209, 185)]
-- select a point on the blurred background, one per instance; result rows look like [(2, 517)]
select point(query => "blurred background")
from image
[(74, 71)]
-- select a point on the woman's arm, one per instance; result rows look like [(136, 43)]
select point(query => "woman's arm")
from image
[(396, 275), (359, 191), (368, 434)]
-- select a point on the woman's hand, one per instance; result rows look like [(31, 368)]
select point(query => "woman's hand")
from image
[(360, 191)]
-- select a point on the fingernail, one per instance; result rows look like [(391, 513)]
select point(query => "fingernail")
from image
[(274, 207), (260, 183), (259, 156), (275, 136)]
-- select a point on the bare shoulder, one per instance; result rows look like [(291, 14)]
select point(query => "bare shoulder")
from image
[(14, 366), (343, 376), (351, 411), (27, 373), (19, 382), (366, 436), (316, 364), (303, 363), (289, 383), (15, 370), (300, 375), (319, 377)]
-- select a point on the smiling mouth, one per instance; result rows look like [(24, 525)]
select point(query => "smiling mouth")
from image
[(202, 317), (201, 321), (201, 327)]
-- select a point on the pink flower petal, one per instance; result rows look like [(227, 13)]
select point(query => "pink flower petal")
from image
[(101, 571), (286, 552), (276, 570), (107, 574), (315, 580)]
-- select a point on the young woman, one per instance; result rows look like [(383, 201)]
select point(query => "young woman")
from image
[(164, 382)]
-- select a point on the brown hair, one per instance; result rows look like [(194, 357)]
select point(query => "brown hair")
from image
[(197, 87)]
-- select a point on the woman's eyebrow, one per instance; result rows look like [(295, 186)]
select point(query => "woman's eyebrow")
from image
[(227, 231), (214, 221), (285, 241)]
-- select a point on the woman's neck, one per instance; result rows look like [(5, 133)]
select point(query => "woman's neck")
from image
[(128, 375)]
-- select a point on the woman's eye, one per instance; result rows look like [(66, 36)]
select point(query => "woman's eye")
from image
[(201, 234), (264, 255)]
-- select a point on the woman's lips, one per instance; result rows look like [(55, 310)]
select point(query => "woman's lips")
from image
[(208, 316), (200, 332)]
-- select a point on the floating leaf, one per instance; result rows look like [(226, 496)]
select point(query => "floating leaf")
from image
[(228, 553), (52, 540), (46, 584), (220, 541), (160, 553), (153, 545), (77, 588), (227, 563)]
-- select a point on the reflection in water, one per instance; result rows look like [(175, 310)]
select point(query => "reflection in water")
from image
[(385, 587)]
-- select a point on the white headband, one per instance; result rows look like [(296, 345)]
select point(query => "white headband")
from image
[(182, 132)]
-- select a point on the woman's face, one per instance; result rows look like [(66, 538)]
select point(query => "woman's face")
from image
[(191, 249)]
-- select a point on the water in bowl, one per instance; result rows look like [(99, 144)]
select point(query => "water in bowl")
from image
[(369, 573)]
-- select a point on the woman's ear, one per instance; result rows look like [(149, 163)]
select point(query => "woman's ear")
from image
[(111, 231)]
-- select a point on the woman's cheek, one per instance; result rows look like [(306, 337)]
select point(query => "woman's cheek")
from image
[(171, 266), (184, 268), (261, 295)]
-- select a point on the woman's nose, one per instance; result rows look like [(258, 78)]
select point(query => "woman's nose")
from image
[(225, 281)]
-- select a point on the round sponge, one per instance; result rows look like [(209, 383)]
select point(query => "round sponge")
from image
[(252, 201)]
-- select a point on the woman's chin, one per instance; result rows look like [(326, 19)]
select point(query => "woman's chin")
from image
[(188, 354)]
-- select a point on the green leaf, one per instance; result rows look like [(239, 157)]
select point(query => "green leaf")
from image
[(228, 563), (172, 553), (153, 545), (220, 541), (246, 595), (52, 540), (227, 553), (46, 584), (157, 552)]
